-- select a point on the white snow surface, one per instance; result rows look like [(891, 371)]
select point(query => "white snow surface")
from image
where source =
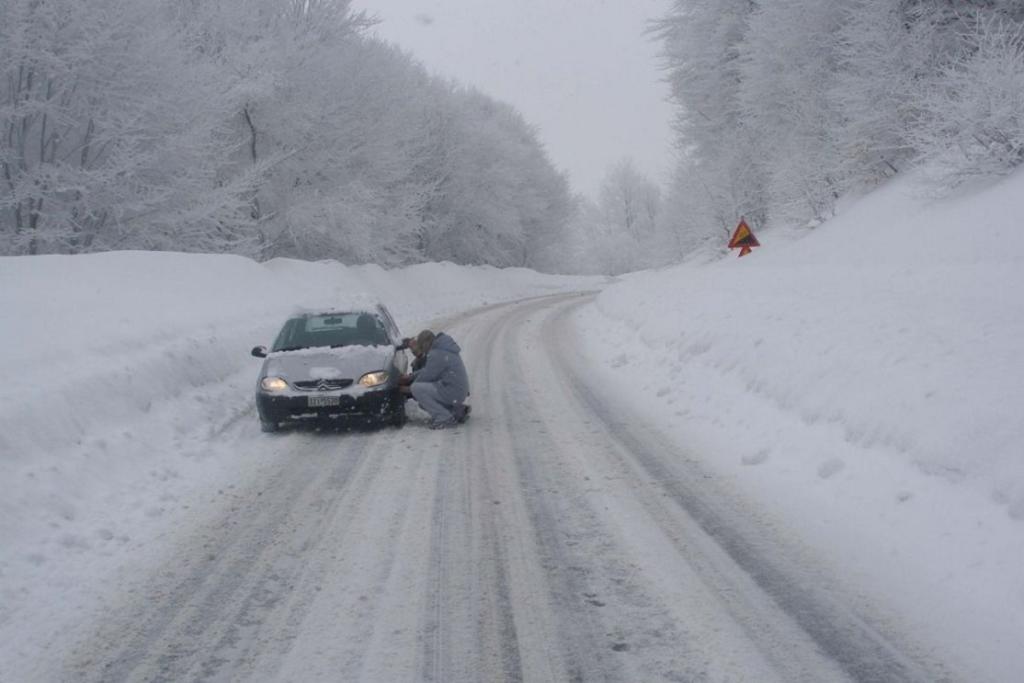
[(865, 383), (120, 370), (861, 382)]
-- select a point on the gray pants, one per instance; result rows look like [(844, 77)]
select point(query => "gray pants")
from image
[(429, 398)]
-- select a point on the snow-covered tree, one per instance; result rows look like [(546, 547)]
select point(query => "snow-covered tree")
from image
[(785, 106), (621, 231), (630, 200), (263, 127), (881, 57), (104, 132), (784, 90), (498, 194), (720, 168), (972, 118)]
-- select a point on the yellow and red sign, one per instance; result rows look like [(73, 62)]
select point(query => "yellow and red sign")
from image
[(743, 239)]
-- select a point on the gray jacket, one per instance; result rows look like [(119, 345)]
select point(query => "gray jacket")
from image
[(444, 367)]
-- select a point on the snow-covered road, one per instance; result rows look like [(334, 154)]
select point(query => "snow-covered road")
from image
[(555, 537)]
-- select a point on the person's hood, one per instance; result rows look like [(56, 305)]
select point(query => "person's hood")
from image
[(445, 343)]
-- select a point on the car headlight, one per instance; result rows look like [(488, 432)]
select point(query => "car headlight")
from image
[(273, 384), (373, 379)]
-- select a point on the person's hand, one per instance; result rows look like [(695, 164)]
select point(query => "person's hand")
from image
[(405, 380)]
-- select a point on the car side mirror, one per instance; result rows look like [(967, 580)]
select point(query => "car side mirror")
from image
[(259, 351)]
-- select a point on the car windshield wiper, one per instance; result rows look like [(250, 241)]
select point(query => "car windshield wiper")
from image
[(289, 348)]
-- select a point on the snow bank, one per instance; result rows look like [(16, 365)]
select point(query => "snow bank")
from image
[(119, 371), (866, 384)]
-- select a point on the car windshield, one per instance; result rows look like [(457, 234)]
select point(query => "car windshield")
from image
[(333, 329)]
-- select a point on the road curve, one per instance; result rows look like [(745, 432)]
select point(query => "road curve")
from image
[(554, 537)]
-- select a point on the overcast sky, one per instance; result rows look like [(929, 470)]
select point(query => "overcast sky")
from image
[(582, 71)]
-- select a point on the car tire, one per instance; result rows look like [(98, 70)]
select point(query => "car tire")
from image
[(398, 416), (268, 427)]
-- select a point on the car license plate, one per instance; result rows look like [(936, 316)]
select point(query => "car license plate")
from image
[(323, 401)]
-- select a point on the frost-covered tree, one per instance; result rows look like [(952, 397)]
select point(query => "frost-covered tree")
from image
[(881, 56), (720, 163), (785, 85), (619, 232), (104, 132), (263, 127), (497, 195), (785, 106), (629, 200), (972, 119)]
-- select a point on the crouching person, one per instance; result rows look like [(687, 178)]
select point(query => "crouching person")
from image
[(441, 385)]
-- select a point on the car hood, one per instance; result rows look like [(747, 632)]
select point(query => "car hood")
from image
[(346, 362)]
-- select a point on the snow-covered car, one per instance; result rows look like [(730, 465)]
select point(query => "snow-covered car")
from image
[(335, 366)]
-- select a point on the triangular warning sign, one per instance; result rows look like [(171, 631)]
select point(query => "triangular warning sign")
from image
[(743, 239)]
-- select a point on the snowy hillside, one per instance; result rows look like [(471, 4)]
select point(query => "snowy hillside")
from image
[(864, 383)]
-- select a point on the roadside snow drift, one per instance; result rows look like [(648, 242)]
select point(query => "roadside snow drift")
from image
[(866, 384)]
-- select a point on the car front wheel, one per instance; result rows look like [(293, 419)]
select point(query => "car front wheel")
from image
[(268, 427), (398, 417)]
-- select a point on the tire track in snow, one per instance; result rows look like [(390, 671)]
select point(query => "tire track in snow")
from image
[(468, 558), (550, 539), (863, 650), (240, 575), (581, 634)]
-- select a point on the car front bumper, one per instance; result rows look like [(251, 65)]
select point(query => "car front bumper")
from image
[(369, 405)]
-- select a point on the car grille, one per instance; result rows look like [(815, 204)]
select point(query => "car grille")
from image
[(323, 384)]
